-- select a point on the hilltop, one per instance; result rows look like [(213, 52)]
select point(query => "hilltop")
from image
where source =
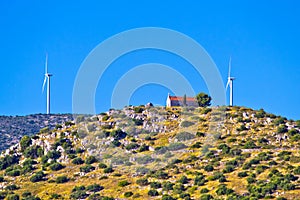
[(13, 128), (158, 153)]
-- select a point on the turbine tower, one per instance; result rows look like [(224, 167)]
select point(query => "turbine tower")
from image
[(230, 83), (47, 79)]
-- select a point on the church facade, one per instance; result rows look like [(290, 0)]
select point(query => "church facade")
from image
[(179, 101)]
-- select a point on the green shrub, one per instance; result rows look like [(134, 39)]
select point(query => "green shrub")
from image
[(25, 142), (87, 168), (223, 190), (204, 190), (167, 197), (37, 177), (155, 185), (183, 136), (108, 170), (62, 179), (102, 165), (55, 196), (199, 180), (79, 195), (12, 187), (138, 109), (167, 186), (128, 194), (282, 129), (94, 188), (13, 197), (183, 180), (242, 174), (142, 182), (77, 161), (209, 168), (56, 166), (186, 124), (123, 183), (132, 146), (90, 160), (176, 146), (206, 197), (153, 193)]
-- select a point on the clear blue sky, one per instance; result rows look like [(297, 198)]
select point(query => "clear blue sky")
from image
[(261, 36)]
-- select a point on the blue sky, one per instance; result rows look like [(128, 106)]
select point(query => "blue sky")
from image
[(261, 36)]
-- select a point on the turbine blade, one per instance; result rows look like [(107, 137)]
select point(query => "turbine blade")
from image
[(229, 66), (228, 82), (44, 84), (46, 64)]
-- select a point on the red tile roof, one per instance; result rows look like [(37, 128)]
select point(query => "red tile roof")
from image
[(175, 98)]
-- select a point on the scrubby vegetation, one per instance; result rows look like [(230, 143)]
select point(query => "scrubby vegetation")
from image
[(158, 153)]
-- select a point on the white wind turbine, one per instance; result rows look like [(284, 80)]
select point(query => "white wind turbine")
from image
[(47, 79), (230, 84)]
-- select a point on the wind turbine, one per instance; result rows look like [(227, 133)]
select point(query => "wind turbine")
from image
[(230, 83), (47, 79)]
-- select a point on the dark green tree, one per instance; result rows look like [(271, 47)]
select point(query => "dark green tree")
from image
[(203, 99)]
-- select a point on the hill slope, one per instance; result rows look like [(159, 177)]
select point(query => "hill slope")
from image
[(13, 128), (158, 153)]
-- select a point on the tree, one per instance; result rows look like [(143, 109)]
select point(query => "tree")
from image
[(25, 142), (203, 99), (184, 100)]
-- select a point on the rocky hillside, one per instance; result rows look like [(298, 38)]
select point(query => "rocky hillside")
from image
[(13, 128), (158, 153)]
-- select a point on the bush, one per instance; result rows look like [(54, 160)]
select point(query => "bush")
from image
[(55, 196), (15, 172), (209, 168), (153, 193), (25, 142), (282, 129), (138, 122), (249, 145), (132, 146), (204, 190), (142, 182), (90, 160), (79, 195), (102, 165), (138, 109), (167, 186), (206, 197), (56, 166), (155, 185), (94, 188), (77, 161), (33, 152), (223, 190), (183, 136), (37, 177), (199, 180), (242, 174), (176, 146), (183, 180), (13, 197), (108, 170), (12, 187), (167, 197), (62, 179), (128, 194), (186, 124), (161, 175), (87, 168), (123, 183)]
